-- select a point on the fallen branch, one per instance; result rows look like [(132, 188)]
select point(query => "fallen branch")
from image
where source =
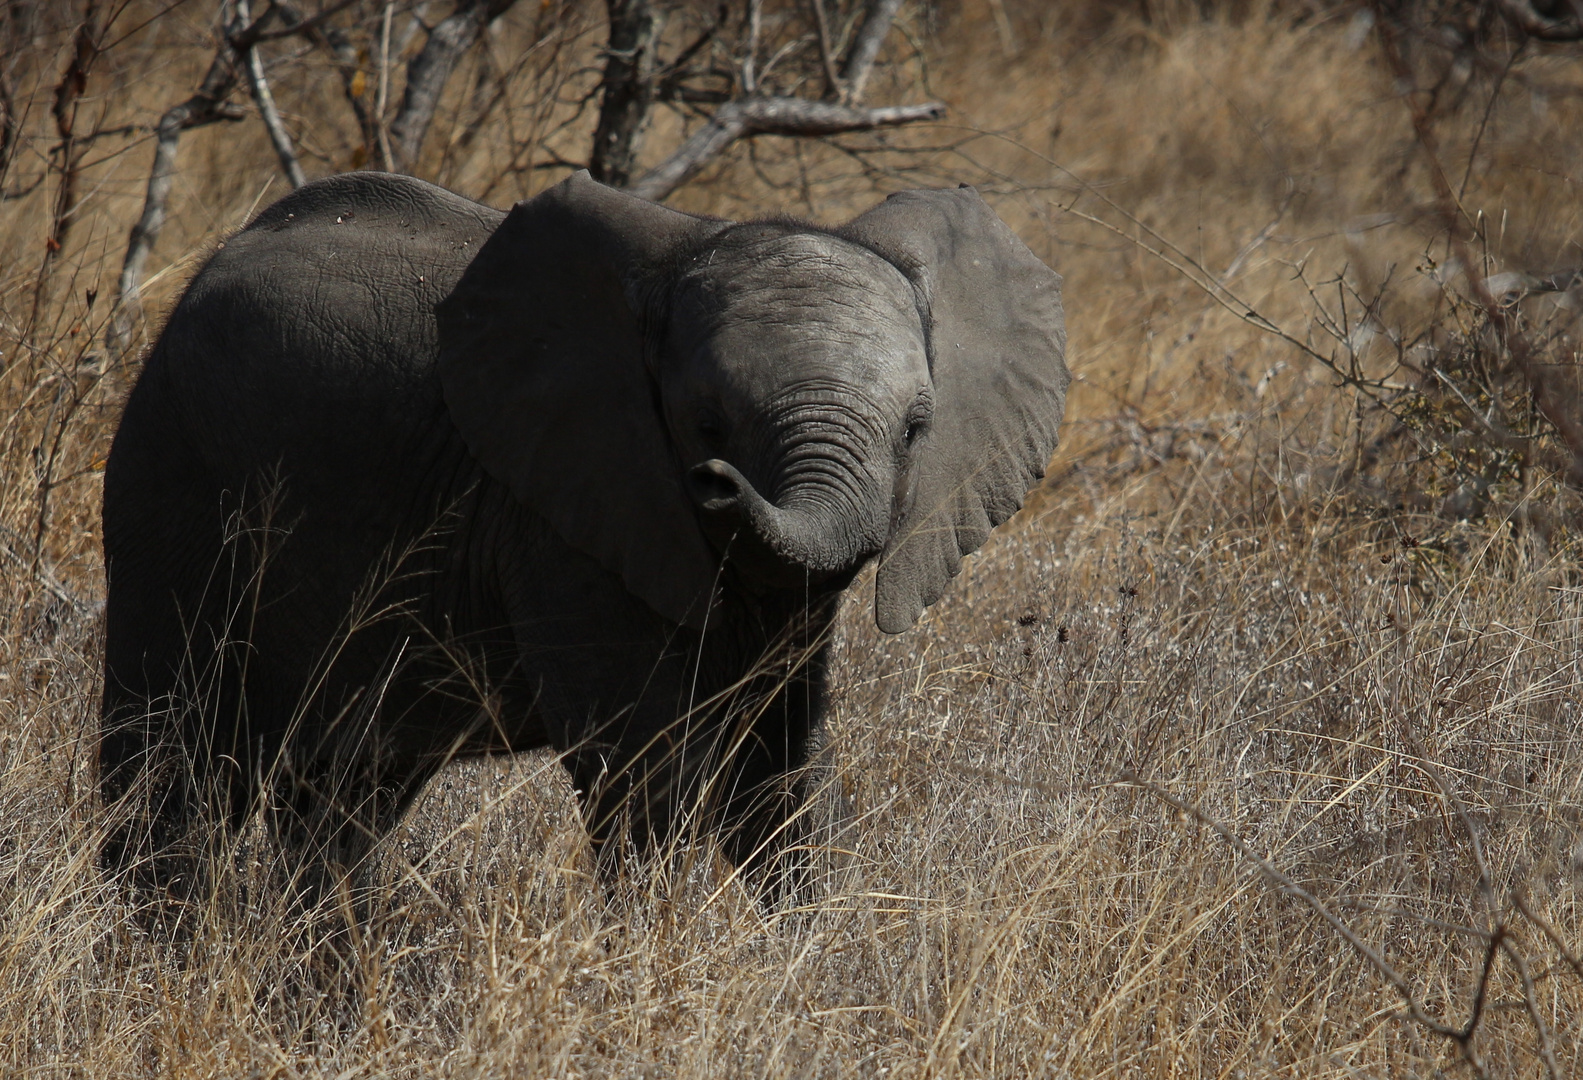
[(747, 117)]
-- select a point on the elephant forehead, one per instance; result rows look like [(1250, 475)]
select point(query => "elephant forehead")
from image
[(793, 277), (800, 296)]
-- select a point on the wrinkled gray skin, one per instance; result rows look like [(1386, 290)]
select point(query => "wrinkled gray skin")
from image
[(407, 479)]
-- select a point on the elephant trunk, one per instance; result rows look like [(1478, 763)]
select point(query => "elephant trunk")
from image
[(824, 520)]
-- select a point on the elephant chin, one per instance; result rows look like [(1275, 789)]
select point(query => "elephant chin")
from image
[(807, 542)]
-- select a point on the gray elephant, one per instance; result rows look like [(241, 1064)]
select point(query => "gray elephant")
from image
[(406, 479)]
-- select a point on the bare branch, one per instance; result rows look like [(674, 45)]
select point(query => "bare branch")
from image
[(205, 106), (865, 47), (253, 65), (747, 117), (832, 77), (387, 159), (431, 69), (346, 62), (1521, 14), (750, 78), (1547, 1052)]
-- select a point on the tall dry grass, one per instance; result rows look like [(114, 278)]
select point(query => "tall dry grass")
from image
[(1204, 604)]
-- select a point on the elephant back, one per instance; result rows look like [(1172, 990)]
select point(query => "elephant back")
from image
[(317, 319)]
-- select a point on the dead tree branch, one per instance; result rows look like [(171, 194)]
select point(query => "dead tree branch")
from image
[(747, 117), (864, 51), (206, 106), (431, 69), (258, 85), (751, 114), (832, 77)]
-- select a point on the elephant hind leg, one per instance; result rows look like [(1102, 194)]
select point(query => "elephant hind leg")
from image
[(170, 810)]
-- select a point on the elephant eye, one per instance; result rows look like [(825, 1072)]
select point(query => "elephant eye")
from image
[(711, 428)]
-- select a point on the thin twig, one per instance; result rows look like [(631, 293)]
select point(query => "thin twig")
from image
[(749, 76), (254, 36), (1544, 27), (382, 97), (1553, 400), (68, 93), (349, 66), (1546, 1050)]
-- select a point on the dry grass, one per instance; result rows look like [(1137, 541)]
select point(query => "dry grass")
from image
[(1380, 700)]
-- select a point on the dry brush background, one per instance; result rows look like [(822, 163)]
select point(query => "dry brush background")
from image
[(1252, 747)]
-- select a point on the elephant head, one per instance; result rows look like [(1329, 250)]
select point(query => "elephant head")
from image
[(672, 391)]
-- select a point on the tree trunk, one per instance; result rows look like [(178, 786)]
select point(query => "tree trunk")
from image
[(628, 90)]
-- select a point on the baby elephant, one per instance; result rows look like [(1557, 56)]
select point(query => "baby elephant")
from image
[(407, 479)]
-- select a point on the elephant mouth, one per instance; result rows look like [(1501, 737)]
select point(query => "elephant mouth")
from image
[(803, 544)]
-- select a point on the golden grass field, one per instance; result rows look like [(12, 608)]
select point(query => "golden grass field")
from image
[(1234, 612)]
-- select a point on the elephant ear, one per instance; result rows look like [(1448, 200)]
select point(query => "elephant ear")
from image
[(543, 366), (997, 344)]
